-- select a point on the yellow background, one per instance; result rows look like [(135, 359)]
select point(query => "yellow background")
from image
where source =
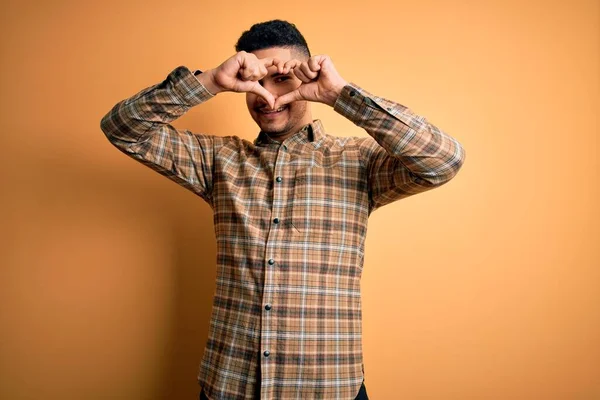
[(486, 288)]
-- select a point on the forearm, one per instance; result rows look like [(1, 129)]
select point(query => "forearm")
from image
[(134, 119), (424, 149)]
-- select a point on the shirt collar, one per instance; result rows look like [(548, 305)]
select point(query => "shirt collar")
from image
[(312, 132)]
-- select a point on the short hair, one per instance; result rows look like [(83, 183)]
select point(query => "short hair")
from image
[(275, 33)]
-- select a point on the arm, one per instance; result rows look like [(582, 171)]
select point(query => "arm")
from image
[(405, 154), (140, 127)]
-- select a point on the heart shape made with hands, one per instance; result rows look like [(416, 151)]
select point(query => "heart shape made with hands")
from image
[(320, 81)]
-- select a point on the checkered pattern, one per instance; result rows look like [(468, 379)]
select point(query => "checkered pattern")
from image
[(290, 222)]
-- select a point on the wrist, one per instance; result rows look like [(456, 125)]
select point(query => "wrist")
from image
[(335, 93), (207, 79)]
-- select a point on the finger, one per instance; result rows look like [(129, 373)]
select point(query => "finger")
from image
[(250, 73), (262, 70), (272, 62), (268, 62), (257, 89), (253, 73), (308, 72), (290, 65), (251, 68), (280, 65), (313, 64), (245, 60), (265, 63), (287, 98), (300, 75)]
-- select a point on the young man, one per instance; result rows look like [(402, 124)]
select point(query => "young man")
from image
[(290, 208)]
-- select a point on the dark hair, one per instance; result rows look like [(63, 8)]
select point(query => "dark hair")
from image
[(275, 33)]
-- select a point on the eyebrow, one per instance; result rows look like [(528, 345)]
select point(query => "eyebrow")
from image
[(277, 74)]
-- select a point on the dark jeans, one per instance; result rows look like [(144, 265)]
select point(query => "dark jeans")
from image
[(362, 394)]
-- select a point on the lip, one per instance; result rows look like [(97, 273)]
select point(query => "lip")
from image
[(273, 114)]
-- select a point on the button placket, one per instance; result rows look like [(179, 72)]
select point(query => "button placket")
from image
[(271, 281), (278, 179)]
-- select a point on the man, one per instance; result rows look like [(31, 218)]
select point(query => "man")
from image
[(290, 208)]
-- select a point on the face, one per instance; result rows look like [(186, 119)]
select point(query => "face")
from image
[(291, 117)]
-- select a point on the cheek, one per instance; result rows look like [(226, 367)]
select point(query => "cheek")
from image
[(297, 107), (250, 99), (290, 85)]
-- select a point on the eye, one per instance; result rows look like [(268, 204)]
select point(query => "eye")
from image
[(281, 78)]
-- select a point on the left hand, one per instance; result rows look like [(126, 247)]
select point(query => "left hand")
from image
[(320, 81)]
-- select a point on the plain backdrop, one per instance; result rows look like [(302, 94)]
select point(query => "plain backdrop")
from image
[(486, 288)]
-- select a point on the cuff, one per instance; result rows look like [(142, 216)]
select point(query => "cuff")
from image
[(349, 102), (358, 105), (187, 87)]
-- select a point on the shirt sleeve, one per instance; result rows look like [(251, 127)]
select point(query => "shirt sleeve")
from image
[(140, 127), (404, 154)]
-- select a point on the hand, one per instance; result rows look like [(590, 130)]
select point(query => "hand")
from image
[(241, 73), (320, 81)]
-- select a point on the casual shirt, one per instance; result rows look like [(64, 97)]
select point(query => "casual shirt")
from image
[(290, 221)]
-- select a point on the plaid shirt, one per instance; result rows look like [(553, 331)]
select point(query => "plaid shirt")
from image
[(290, 221)]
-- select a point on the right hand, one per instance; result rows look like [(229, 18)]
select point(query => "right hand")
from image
[(241, 73)]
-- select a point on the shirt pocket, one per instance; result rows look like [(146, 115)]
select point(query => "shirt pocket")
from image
[(328, 202)]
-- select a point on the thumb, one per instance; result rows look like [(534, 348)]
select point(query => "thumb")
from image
[(256, 88), (287, 98)]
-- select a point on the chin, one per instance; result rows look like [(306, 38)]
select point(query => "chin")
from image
[(273, 128)]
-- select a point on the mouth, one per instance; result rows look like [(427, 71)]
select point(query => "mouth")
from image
[(272, 113)]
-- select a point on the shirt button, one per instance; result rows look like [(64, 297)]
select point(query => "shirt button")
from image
[(276, 220), (267, 353), (271, 261), (278, 179), (352, 93), (268, 307)]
